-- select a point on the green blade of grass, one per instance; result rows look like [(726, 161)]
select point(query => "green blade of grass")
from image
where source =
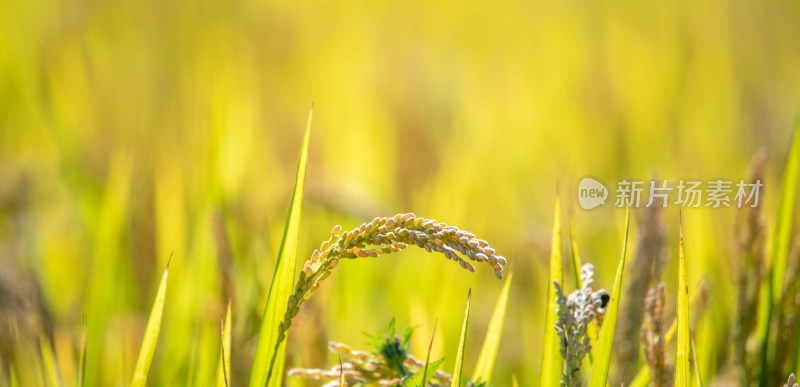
[(150, 335), (786, 205), (552, 363), (84, 342), (682, 361), (591, 329), (781, 240), (51, 373), (698, 379), (269, 358), (224, 366), (486, 359), (417, 380), (602, 360), (462, 343), (428, 356), (576, 258), (786, 209)]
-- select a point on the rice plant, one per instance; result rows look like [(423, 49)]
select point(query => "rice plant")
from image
[(93, 199)]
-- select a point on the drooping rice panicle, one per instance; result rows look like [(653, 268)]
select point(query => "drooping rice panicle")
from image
[(384, 236)]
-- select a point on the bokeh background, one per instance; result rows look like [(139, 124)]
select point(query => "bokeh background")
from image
[(132, 130)]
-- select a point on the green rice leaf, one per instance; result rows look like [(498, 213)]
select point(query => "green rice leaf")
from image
[(486, 359), (787, 203), (698, 380), (783, 222), (602, 360), (150, 335), (552, 363), (84, 342), (576, 259), (392, 327), (407, 335), (51, 372), (421, 379), (224, 366), (424, 379), (268, 363), (683, 362), (461, 345), (781, 241)]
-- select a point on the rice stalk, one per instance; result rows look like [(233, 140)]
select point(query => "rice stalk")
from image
[(643, 377), (383, 236), (653, 339), (462, 343)]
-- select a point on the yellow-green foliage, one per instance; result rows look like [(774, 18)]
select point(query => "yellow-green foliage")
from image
[(462, 343), (150, 339), (271, 348), (128, 129), (491, 343), (551, 357), (602, 360)]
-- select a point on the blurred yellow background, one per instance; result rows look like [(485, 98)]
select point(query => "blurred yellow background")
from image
[(130, 130)]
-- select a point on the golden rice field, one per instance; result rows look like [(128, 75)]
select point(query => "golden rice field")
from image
[(173, 212)]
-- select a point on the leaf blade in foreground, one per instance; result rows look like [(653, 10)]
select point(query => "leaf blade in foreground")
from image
[(488, 354), (151, 333), (552, 363), (269, 358), (462, 343), (602, 360)]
